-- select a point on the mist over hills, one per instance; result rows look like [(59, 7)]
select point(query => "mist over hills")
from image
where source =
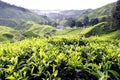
[(63, 16), (60, 14), (11, 15)]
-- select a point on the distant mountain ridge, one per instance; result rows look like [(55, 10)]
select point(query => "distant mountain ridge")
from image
[(11, 15), (44, 12), (60, 14), (74, 12)]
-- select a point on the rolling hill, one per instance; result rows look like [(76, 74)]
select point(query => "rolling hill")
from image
[(34, 28), (25, 30), (99, 12), (11, 15), (10, 34)]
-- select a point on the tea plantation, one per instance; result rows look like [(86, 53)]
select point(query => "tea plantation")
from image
[(60, 58)]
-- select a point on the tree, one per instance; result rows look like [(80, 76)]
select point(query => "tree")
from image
[(103, 19), (71, 22), (116, 16), (54, 24), (86, 21), (63, 23), (78, 24), (94, 21)]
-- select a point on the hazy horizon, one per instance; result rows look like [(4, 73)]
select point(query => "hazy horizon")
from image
[(59, 4)]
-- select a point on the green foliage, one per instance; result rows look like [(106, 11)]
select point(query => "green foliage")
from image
[(34, 27), (99, 29), (60, 58), (104, 18), (87, 30), (70, 22), (112, 35), (63, 22), (30, 34), (8, 35), (69, 31), (79, 24), (94, 21), (86, 21), (63, 56), (8, 22)]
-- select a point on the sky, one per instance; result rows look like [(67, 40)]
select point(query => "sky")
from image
[(59, 4)]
